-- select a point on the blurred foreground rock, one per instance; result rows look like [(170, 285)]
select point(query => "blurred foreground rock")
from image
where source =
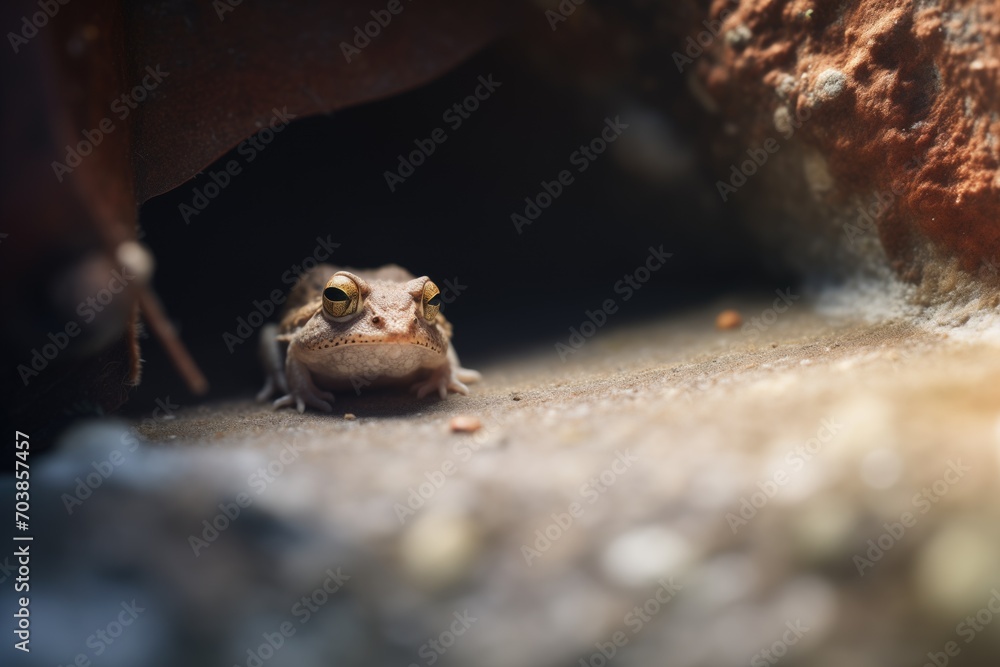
[(823, 490)]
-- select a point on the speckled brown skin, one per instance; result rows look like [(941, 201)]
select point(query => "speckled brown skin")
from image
[(388, 343), (919, 111)]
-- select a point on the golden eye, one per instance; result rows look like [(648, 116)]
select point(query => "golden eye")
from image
[(431, 301), (341, 298)]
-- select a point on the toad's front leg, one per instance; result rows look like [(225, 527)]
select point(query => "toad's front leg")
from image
[(302, 391), (450, 376)]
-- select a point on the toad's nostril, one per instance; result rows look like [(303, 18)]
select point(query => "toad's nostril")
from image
[(376, 320)]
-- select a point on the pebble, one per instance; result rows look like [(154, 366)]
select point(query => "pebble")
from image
[(830, 84), (728, 319), (465, 424), (350, 416)]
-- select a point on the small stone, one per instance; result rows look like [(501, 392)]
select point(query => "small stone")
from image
[(830, 84), (728, 319), (350, 416), (465, 424)]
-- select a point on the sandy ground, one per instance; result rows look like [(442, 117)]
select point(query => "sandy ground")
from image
[(670, 494)]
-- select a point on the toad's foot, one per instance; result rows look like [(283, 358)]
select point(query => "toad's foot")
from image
[(302, 391), (447, 378)]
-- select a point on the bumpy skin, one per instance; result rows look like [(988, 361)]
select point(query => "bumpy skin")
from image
[(388, 343)]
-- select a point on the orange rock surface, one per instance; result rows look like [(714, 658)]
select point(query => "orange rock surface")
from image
[(900, 96)]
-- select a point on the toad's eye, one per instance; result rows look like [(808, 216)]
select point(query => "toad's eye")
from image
[(431, 301), (342, 297)]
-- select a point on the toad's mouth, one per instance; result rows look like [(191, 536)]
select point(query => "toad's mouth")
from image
[(369, 358), (388, 342)]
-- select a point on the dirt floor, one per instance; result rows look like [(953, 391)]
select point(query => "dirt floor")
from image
[(813, 489)]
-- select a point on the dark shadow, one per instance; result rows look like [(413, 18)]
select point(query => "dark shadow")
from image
[(324, 177)]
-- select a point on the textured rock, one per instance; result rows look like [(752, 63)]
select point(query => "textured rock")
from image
[(888, 105)]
